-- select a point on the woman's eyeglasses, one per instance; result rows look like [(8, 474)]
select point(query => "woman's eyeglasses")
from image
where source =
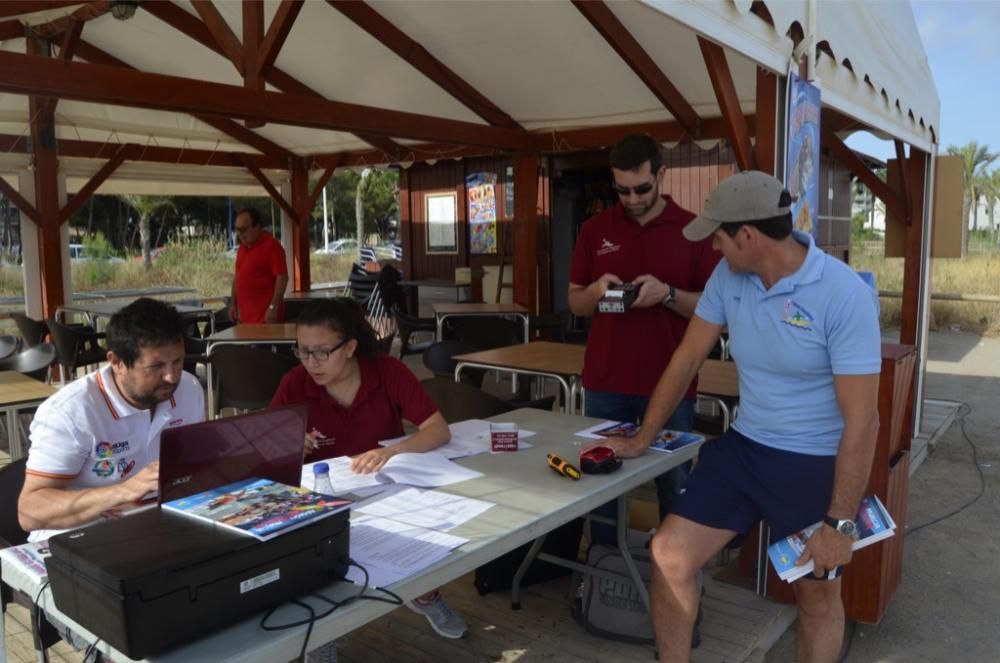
[(640, 190), (319, 355)]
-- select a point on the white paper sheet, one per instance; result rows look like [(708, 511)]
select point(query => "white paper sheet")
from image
[(468, 438), (391, 551), (426, 508), (590, 433), (414, 469)]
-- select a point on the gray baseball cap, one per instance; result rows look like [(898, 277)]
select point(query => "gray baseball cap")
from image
[(740, 198)]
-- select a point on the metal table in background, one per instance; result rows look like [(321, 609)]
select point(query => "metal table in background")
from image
[(444, 311), (19, 392)]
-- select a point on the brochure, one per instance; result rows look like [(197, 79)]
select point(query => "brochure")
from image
[(873, 522), (668, 441), (258, 507)]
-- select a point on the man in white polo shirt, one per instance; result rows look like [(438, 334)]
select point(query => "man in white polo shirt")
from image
[(804, 333), (95, 444)]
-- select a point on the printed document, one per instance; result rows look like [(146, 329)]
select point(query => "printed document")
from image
[(413, 469), (468, 438), (426, 508), (391, 551)]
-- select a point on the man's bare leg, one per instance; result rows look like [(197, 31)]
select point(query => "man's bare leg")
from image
[(679, 549), (820, 630)]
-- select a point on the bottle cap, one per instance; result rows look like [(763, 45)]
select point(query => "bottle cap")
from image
[(321, 468)]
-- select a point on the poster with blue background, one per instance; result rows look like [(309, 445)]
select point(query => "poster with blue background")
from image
[(802, 154)]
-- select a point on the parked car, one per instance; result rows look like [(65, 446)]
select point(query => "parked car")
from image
[(78, 253), (339, 247)]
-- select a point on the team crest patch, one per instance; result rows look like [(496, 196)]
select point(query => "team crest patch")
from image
[(796, 316), (109, 449), (102, 450), (104, 468), (125, 467), (608, 247)]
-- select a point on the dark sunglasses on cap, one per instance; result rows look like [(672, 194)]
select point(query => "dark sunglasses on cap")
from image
[(640, 190)]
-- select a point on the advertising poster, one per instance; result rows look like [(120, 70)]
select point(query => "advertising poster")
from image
[(482, 188), (802, 154)]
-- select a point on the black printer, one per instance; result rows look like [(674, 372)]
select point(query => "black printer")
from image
[(156, 580)]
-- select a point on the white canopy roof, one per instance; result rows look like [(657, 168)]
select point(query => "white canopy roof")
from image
[(540, 62)]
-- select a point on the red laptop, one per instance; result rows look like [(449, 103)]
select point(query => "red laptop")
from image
[(265, 445)]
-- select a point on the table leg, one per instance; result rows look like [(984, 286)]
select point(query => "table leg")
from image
[(633, 571), (14, 434), (515, 586), (440, 328), (527, 328), (763, 536), (210, 396)]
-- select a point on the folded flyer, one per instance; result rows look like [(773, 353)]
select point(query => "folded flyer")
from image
[(873, 524), (259, 507), (667, 441)]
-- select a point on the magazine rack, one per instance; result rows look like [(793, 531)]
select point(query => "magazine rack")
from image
[(874, 574)]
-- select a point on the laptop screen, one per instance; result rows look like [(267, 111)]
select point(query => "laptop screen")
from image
[(264, 445)]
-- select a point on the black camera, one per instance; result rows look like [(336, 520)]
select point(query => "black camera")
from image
[(619, 298)]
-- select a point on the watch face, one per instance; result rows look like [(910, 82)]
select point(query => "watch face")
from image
[(847, 528)]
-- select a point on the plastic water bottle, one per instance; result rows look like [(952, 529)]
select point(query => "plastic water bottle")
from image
[(322, 483)]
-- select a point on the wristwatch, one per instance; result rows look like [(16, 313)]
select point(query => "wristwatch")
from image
[(670, 297), (844, 526)]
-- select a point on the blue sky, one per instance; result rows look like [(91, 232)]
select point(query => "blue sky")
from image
[(962, 41)]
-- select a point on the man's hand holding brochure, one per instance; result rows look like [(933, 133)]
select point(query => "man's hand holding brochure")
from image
[(873, 524)]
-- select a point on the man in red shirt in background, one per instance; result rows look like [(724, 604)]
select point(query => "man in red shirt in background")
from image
[(258, 293), (638, 240)]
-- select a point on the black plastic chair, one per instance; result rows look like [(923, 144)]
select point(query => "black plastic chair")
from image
[(32, 331), (247, 378), (33, 362), (76, 346), (294, 307), (438, 358), (9, 345), (553, 326), (11, 534), (487, 333), (407, 326)]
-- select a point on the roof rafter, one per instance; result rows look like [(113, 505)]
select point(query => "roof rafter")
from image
[(70, 40), (729, 102), (253, 35), (420, 59), (27, 209), (88, 189), (91, 53), (18, 7), (277, 33), (187, 24), (846, 156), (636, 57), (58, 26), (11, 29), (903, 181), (272, 191), (222, 35)]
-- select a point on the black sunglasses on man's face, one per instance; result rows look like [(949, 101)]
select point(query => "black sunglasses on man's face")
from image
[(640, 190)]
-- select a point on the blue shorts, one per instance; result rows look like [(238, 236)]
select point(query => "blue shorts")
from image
[(737, 482)]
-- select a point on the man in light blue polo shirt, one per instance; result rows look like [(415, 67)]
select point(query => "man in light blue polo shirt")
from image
[(804, 333)]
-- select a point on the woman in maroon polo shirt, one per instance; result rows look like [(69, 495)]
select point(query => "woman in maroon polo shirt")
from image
[(356, 397)]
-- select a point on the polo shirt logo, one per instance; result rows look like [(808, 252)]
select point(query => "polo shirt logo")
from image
[(608, 247), (108, 449), (796, 316), (125, 467), (104, 468), (176, 422)]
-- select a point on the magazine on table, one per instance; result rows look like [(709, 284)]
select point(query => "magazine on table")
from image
[(873, 523), (258, 507), (667, 441)]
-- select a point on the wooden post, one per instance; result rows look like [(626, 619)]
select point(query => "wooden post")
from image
[(46, 176), (300, 228), (526, 231), (766, 126)]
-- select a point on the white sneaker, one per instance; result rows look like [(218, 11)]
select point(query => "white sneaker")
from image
[(446, 622), (323, 654)]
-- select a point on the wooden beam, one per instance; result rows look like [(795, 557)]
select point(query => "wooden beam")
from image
[(271, 190), (636, 57), (387, 146), (11, 30), (277, 33), (222, 34), (17, 7), (729, 102), (114, 85), (190, 26), (95, 55), (70, 40), (11, 194), (310, 201), (569, 140), (903, 185), (766, 115), (420, 59), (88, 189), (253, 35), (58, 26), (848, 158)]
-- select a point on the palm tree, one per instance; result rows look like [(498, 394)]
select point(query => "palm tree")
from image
[(359, 207), (975, 159), (989, 187), (145, 207)]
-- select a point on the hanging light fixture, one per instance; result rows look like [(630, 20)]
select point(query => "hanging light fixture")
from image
[(123, 10)]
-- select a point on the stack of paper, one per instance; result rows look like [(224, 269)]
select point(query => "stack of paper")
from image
[(391, 551), (426, 508), (468, 438), (426, 470)]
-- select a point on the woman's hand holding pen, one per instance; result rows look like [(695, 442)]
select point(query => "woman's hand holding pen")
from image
[(315, 440)]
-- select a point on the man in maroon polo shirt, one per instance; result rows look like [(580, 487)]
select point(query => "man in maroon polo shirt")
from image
[(258, 293), (638, 240)]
